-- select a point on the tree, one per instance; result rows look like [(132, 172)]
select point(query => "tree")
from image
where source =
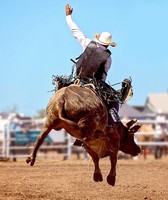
[(41, 113)]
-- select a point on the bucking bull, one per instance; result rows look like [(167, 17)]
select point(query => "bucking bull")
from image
[(77, 109)]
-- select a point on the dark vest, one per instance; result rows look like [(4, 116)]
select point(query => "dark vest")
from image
[(91, 62)]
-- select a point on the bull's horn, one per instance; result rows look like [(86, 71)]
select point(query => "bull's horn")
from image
[(134, 129), (131, 122)]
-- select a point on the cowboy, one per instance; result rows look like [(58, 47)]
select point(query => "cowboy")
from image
[(95, 61), (99, 47)]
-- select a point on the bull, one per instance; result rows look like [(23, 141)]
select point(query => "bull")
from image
[(79, 111)]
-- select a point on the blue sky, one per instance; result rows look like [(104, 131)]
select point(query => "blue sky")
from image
[(35, 43)]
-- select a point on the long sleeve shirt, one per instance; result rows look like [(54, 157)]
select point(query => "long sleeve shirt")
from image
[(84, 41)]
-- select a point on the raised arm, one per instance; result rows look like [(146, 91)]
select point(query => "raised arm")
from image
[(76, 32)]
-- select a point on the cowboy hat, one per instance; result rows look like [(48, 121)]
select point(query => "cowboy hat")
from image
[(104, 38)]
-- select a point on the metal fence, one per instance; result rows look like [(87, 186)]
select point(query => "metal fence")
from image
[(17, 143), (152, 133)]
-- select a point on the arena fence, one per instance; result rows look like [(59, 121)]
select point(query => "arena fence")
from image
[(153, 133), (19, 143)]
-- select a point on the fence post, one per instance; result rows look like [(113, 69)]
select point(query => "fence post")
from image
[(4, 142), (7, 139), (69, 148)]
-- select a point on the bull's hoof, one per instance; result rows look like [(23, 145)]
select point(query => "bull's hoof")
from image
[(97, 177), (111, 180), (30, 160)]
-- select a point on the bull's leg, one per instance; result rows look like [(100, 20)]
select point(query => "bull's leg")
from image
[(113, 158), (44, 132), (111, 178), (97, 176)]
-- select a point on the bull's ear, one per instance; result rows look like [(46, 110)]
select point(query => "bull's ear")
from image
[(134, 129)]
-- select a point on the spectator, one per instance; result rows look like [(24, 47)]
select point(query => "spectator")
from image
[(14, 125), (158, 137), (146, 136)]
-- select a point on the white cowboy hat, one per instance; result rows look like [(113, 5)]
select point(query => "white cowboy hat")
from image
[(104, 39)]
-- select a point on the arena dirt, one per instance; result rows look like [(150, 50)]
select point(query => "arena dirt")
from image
[(55, 179)]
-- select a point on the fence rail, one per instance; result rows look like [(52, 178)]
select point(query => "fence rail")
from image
[(14, 143), (57, 140)]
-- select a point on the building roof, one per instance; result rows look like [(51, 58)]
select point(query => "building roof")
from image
[(127, 111), (157, 102)]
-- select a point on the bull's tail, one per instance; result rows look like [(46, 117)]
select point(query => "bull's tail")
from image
[(70, 126)]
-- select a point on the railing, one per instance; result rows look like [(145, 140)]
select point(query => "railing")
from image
[(58, 140), (15, 143)]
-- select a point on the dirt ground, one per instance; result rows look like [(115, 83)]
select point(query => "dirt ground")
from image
[(55, 179)]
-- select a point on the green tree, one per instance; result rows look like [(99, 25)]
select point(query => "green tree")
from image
[(41, 113)]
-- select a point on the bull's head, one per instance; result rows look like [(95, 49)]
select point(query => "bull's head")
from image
[(129, 146), (127, 143)]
